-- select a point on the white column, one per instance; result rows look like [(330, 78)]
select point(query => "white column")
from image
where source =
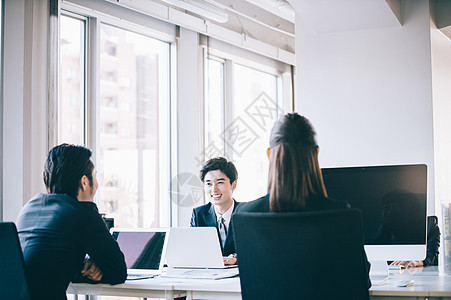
[(24, 140), (189, 128)]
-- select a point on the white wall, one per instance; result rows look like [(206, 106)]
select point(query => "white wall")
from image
[(13, 109), (24, 136), (368, 92)]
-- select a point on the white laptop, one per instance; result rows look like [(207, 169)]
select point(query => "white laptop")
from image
[(144, 250), (194, 247)]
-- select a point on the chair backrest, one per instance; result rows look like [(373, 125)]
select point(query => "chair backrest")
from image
[(433, 242), (308, 255), (13, 281), (432, 222)]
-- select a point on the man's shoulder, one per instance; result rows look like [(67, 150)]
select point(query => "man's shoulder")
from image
[(56, 204), (259, 205)]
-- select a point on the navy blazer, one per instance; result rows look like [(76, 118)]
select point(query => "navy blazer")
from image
[(205, 216), (315, 203), (56, 232)]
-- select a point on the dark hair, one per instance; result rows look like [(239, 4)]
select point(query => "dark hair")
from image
[(294, 172), (65, 166), (221, 164)]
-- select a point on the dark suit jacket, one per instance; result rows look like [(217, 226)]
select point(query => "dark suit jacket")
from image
[(314, 203), (56, 231), (205, 216), (259, 205)]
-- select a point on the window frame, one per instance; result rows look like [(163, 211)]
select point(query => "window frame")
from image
[(235, 56), (230, 60), (85, 67), (91, 104)]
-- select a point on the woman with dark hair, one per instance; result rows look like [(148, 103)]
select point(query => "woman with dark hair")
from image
[(295, 182)]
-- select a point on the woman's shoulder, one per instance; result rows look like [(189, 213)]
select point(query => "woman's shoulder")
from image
[(323, 203), (259, 205)]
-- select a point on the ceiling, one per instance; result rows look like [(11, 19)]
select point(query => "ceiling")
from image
[(269, 21), (273, 21)]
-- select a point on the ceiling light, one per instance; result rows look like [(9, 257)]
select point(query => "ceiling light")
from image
[(202, 8)]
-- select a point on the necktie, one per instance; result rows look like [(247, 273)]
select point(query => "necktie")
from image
[(222, 230)]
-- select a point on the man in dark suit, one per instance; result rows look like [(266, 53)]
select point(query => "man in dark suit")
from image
[(59, 228), (219, 177)]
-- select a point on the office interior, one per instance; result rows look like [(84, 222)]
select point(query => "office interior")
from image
[(372, 76)]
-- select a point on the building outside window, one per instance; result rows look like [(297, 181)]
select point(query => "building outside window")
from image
[(129, 121), (238, 125), (72, 80)]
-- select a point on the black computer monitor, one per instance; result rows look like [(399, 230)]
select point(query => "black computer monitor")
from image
[(393, 203)]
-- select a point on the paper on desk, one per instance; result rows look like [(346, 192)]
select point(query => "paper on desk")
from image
[(201, 273)]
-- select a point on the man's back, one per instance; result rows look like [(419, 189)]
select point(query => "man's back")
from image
[(56, 231)]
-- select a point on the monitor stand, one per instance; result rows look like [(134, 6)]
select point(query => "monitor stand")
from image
[(378, 271)]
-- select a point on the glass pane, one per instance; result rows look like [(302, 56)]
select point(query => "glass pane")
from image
[(71, 80), (134, 72), (255, 108), (214, 110)]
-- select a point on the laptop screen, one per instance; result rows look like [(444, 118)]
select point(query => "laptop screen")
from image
[(142, 249), (201, 248)]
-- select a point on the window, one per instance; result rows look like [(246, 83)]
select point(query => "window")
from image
[(72, 84), (109, 48), (255, 109), (128, 153), (214, 108), (128, 125), (238, 126), (110, 76), (109, 101)]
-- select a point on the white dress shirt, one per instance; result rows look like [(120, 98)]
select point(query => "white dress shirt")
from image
[(226, 216)]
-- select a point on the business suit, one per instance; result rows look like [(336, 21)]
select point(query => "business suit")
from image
[(56, 231), (314, 203), (205, 216), (259, 205)]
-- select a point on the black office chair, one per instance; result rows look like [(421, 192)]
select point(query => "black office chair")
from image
[(308, 255), (433, 242), (13, 281)]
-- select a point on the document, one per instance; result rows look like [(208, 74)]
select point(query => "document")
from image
[(201, 273)]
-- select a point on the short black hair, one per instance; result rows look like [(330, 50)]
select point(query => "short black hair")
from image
[(65, 166), (221, 164)]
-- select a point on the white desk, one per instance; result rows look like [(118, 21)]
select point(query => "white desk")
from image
[(145, 288), (428, 284)]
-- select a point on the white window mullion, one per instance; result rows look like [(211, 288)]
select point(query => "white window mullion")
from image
[(228, 104), (92, 83)]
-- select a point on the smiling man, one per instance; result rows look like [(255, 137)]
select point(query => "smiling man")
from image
[(219, 177)]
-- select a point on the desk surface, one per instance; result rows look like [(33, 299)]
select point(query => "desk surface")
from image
[(428, 282)]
